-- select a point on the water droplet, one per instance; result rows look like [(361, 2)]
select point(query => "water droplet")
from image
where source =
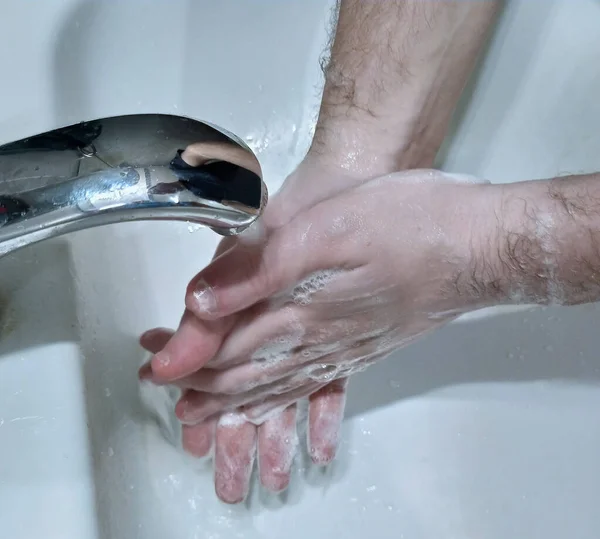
[(394, 384), (322, 372), (110, 452)]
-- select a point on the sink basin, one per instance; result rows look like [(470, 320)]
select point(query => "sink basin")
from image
[(45, 467), (486, 429)]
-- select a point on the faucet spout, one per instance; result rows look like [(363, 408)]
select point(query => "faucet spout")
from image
[(119, 169)]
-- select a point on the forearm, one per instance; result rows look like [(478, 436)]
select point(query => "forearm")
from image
[(396, 71), (543, 244)]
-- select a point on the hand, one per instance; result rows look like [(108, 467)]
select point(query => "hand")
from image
[(338, 287), (368, 131), (236, 440)]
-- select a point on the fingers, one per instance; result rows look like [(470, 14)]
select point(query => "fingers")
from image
[(199, 153), (154, 340), (238, 379), (247, 274), (194, 407), (260, 409), (235, 450), (261, 334), (268, 333), (277, 444), (198, 440), (194, 344), (325, 416), (279, 365), (247, 379)]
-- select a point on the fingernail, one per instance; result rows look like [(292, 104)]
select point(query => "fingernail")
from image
[(145, 372), (203, 299), (186, 414), (181, 411), (152, 332), (322, 456)]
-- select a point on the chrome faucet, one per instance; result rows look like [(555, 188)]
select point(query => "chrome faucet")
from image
[(123, 168)]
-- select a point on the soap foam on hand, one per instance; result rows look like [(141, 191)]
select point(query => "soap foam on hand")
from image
[(303, 292)]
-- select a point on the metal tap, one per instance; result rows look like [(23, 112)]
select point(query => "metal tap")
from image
[(123, 168)]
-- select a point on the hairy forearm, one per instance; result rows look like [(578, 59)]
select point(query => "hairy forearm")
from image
[(542, 245), (396, 71)]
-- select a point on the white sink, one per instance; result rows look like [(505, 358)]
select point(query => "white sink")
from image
[(487, 429), (46, 482)]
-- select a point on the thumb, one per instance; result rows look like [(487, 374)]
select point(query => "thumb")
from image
[(247, 274)]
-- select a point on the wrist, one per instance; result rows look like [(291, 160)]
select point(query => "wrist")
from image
[(368, 146), (531, 248), (376, 137), (476, 276), (549, 241)]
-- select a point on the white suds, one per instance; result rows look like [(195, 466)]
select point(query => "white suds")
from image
[(232, 420), (258, 416), (280, 349), (303, 291), (545, 228)]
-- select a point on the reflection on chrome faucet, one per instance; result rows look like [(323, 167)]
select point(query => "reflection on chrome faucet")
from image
[(125, 168)]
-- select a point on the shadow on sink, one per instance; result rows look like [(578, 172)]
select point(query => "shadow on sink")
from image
[(37, 297), (555, 345)]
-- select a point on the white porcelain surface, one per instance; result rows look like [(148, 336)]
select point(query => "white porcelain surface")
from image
[(485, 430)]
